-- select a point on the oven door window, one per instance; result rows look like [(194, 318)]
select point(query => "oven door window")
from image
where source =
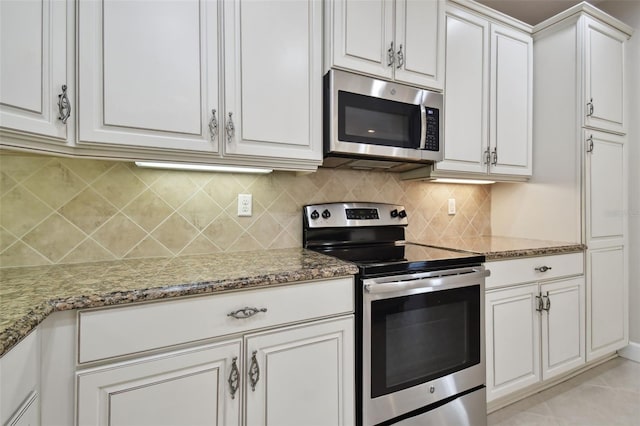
[(370, 120), (418, 338)]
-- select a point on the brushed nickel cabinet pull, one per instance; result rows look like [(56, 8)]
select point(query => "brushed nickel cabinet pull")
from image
[(234, 377), (254, 371), (64, 105), (400, 58), (213, 125), (246, 312)]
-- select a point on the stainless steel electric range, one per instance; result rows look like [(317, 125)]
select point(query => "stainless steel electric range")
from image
[(419, 317)]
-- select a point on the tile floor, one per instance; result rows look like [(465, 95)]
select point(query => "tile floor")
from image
[(608, 394)]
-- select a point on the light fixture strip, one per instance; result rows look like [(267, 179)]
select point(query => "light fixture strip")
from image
[(201, 167), (464, 181)]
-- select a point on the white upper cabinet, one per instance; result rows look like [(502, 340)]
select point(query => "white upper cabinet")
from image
[(488, 99), (239, 78), (33, 69), (148, 73), (273, 79), (466, 92), (603, 77), (511, 102), (391, 39)]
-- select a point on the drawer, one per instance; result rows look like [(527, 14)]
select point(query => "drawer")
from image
[(516, 271), (118, 331)]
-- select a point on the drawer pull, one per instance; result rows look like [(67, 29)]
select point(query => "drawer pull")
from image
[(246, 312), (543, 268)]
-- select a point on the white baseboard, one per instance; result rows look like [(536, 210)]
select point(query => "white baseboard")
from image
[(631, 351)]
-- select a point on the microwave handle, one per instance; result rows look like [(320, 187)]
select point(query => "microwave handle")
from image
[(423, 126)]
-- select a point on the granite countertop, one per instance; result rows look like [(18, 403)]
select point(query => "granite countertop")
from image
[(28, 295), (502, 248)]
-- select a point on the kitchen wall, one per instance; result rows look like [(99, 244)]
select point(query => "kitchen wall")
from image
[(59, 210), (629, 12)]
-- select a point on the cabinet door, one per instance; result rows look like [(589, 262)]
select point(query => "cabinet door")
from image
[(362, 35), (606, 188), (512, 340), (419, 42), (312, 365), (466, 93), (148, 73), (511, 102), (273, 79), (607, 301), (28, 414), (187, 387), (604, 77), (33, 67), (563, 322)]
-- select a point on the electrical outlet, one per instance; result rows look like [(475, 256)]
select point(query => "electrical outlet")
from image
[(244, 204), (452, 206)]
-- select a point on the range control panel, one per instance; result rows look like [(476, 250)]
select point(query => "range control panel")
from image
[(332, 215)]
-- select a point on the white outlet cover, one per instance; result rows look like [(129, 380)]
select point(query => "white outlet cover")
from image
[(245, 204), (452, 206)]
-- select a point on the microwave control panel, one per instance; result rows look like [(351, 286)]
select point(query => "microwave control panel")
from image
[(432, 128)]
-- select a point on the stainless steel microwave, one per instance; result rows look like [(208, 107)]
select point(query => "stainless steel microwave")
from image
[(366, 118)]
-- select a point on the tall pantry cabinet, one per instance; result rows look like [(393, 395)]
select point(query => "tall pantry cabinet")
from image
[(579, 186)]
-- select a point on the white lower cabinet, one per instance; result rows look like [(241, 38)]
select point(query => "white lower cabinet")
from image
[(301, 375), (290, 376), (535, 330), (257, 357), (184, 387), (20, 383)]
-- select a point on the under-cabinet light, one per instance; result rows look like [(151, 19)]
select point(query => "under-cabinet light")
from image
[(201, 167), (467, 181)]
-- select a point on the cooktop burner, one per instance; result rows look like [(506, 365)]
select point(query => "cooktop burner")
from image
[(372, 236)]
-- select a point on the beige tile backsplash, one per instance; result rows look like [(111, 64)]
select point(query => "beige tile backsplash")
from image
[(59, 210)]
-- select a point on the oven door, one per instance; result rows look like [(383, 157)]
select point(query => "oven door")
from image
[(423, 340)]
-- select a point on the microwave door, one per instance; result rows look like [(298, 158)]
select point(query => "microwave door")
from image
[(376, 121)]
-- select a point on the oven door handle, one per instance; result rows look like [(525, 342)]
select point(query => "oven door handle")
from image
[(433, 283)]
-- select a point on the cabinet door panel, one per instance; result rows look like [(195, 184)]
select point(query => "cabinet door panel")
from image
[(162, 90), (186, 387), (511, 101), (607, 301), (33, 66), (418, 33), (273, 78), (363, 32), (563, 327), (312, 365), (147, 73), (604, 77), (513, 340), (606, 182), (466, 93)]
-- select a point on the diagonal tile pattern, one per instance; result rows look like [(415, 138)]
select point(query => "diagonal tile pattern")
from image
[(60, 210)]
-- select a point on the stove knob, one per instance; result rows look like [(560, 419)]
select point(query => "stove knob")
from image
[(394, 213), (315, 215), (402, 214), (326, 214)]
